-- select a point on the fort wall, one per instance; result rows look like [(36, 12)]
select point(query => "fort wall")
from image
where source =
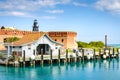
[(11, 33), (68, 39)]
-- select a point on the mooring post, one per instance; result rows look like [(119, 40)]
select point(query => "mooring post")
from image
[(94, 54), (41, 56), (66, 55), (113, 52), (51, 56), (24, 57), (99, 53), (117, 52), (59, 55), (109, 53), (82, 54)]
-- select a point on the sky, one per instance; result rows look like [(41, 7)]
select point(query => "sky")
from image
[(91, 19)]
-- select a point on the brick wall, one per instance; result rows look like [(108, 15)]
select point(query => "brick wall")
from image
[(66, 38), (11, 33)]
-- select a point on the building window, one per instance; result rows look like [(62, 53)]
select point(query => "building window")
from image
[(62, 40), (47, 48), (56, 48), (29, 48)]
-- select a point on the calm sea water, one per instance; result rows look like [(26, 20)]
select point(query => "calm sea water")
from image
[(90, 70), (114, 45)]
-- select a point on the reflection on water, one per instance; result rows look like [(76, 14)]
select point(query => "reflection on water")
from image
[(92, 70)]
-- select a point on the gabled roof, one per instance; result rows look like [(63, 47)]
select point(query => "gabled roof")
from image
[(30, 38)]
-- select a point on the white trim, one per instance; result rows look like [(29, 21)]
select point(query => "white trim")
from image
[(34, 41)]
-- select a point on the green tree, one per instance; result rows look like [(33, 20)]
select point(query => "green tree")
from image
[(11, 39), (92, 44), (82, 44), (98, 44)]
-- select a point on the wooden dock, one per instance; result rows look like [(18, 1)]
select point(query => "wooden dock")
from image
[(67, 57)]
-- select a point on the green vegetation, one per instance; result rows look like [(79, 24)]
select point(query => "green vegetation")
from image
[(92, 44), (11, 39)]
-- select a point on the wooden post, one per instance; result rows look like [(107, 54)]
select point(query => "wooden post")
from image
[(109, 53), (113, 52), (82, 54), (99, 53), (94, 54), (51, 56), (24, 57), (66, 55), (34, 62), (41, 56), (59, 55), (117, 52)]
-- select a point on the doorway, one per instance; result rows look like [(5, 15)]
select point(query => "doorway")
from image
[(45, 48)]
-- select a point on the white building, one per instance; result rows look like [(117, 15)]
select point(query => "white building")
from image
[(34, 44)]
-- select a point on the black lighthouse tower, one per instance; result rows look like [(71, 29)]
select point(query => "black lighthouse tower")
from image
[(35, 25)]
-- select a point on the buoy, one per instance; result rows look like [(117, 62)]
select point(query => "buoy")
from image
[(79, 54), (73, 55), (107, 54), (101, 53), (88, 57), (32, 57), (104, 56)]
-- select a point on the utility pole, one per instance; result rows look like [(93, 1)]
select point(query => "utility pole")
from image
[(105, 41)]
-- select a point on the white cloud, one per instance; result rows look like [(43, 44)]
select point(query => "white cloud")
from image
[(112, 6), (29, 4), (23, 7), (15, 13), (55, 11), (48, 17), (80, 4)]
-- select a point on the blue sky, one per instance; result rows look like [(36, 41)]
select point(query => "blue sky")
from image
[(91, 19)]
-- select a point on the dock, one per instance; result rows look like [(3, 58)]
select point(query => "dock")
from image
[(68, 57)]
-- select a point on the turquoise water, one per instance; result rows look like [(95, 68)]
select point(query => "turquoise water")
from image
[(114, 45), (90, 70)]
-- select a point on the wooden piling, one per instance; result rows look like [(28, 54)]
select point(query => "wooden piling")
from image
[(59, 55), (117, 53), (75, 59), (24, 58), (100, 54), (41, 56), (51, 56), (66, 55), (109, 53), (113, 52), (82, 54), (94, 54), (34, 62)]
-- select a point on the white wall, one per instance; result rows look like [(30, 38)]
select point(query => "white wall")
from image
[(18, 49), (43, 40)]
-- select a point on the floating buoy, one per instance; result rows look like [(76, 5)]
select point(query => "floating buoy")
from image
[(88, 57), (32, 57), (73, 55), (79, 54), (107, 54), (104, 56), (101, 53)]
